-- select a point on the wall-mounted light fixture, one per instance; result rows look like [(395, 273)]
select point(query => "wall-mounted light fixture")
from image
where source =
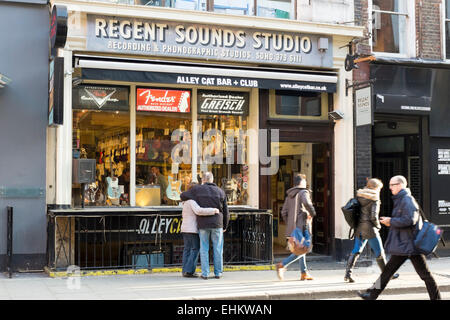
[(336, 115), (4, 80), (322, 45)]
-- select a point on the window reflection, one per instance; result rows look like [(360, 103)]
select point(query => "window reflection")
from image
[(275, 9)]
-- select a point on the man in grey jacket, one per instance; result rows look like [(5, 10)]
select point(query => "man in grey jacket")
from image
[(209, 195), (297, 211)]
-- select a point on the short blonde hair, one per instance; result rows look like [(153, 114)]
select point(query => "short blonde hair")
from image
[(374, 183)]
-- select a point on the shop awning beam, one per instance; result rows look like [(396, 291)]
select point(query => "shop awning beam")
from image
[(199, 75)]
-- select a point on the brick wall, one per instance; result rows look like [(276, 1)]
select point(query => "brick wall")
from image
[(428, 29)]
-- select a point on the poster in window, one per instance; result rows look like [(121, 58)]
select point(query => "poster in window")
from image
[(161, 100), (101, 98)]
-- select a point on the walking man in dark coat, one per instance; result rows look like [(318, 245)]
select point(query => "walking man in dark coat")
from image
[(400, 241)]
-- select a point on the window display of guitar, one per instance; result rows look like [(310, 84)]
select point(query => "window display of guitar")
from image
[(173, 189), (113, 190)]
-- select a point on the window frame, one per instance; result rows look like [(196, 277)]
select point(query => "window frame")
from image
[(409, 39), (210, 8)]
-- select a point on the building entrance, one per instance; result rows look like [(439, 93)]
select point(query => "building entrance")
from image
[(397, 151), (311, 159)]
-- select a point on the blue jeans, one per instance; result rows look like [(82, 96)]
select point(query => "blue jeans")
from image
[(190, 252), (216, 235), (302, 260), (375, 244)]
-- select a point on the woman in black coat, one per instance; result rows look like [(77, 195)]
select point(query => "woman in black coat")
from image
[(368, 226)]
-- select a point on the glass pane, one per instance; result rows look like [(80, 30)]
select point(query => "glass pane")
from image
[(275, 9), (101, 130), (447, 9), (153, 3), (388, 32), (161, 117), (390, 5), (200, 5), (224, 142), (298, 104), (447, 40), (241, 7)]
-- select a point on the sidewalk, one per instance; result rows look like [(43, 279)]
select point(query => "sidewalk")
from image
[(234, 285)]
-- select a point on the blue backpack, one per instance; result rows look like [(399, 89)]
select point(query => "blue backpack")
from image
[(427, 236)]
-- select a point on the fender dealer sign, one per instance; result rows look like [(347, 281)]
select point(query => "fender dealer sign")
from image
[(160, 100)]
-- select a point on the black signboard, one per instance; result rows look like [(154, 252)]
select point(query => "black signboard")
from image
[(56, 92), (440, 180), (223, 102), (401, 89), (207, 80), (104, 98), (58, 26)]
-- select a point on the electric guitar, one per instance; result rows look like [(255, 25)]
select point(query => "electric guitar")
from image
[(173, 189)]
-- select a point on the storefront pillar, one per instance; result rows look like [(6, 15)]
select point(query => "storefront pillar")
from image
[(63, 173)]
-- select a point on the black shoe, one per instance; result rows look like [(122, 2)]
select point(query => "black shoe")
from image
[(218, 277), (204, 278), (365, 295), (190, 275)]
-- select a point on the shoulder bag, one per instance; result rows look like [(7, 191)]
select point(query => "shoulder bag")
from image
[(427, 236)]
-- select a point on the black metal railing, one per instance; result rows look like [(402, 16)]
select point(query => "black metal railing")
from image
[(9, 240), (111, 241)]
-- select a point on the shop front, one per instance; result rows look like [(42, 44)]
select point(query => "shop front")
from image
[(151, 103), (410, 135)]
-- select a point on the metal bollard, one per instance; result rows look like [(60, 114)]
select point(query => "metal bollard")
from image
[(9, 244)]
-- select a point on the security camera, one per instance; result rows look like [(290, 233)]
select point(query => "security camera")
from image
[(336, 115)]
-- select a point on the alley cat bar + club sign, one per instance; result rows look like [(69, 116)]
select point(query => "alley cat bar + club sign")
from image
[(129, 35)]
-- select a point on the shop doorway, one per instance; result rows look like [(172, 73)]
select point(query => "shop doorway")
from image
[(311, 159), (397, 151)]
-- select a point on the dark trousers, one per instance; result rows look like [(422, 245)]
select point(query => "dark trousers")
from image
[(190, 252), (394, 263)]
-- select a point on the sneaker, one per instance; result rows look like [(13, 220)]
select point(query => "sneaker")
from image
[(218, 277), (190, 275), (280, 271), (204, 277), (306, 276)]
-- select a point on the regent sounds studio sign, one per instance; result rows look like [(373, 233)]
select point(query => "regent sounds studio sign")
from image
[(212, 42)]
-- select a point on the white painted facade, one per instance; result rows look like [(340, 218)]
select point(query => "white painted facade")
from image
[(317, 17)]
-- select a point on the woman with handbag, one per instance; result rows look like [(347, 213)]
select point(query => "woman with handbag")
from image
[(298, 212), (368, 226)]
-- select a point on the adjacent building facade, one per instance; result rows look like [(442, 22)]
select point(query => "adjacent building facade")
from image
[(408, 133), (23, 123)]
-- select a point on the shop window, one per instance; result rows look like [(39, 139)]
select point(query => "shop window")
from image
[(447, 29), (283, 9), (276, 9), (101, 130), (389, 26), (298, 105), (163, 120), (222, 126)]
